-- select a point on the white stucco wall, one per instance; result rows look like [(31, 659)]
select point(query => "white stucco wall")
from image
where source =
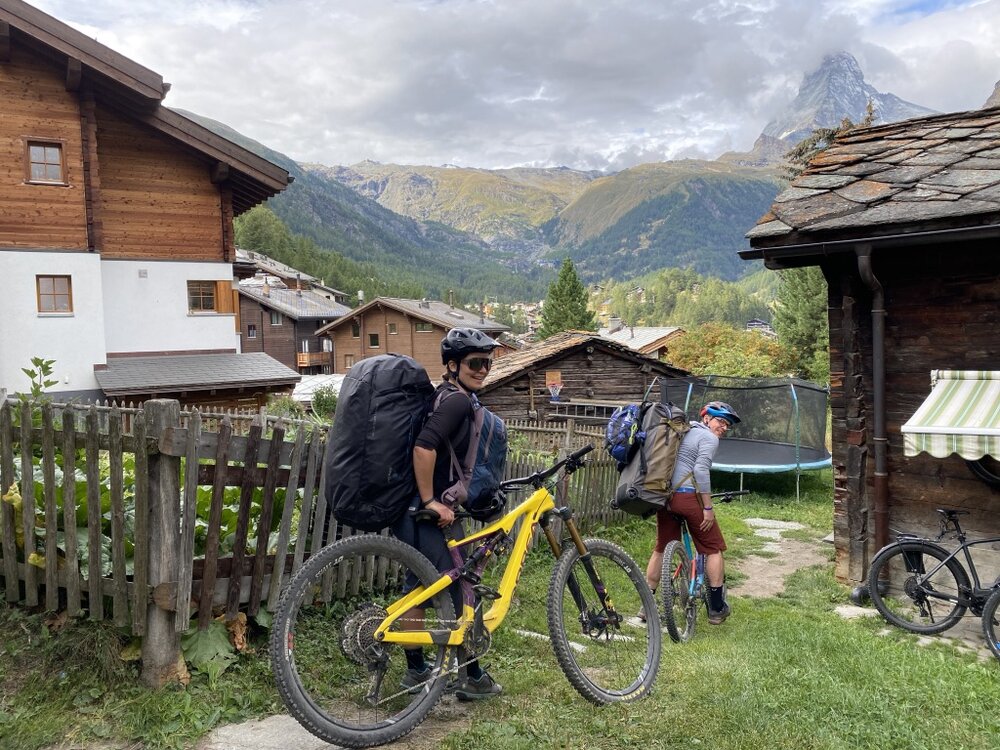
[(75, 341), (146, 307)]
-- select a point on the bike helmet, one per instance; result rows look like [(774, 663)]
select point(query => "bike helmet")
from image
[(461, 341), (721, 409), (488, 510)]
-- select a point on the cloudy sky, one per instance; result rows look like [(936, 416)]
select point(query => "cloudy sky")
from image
[(590, 84)]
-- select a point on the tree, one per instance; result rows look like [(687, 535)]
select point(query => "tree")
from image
[(565, 306), (800, 320), (720, 349)]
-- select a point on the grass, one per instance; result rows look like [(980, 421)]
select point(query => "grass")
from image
[(785, 672)]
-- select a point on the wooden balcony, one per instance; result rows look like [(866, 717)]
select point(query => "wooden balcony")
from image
[(313, 359)]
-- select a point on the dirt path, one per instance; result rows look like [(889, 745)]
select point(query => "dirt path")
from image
[(765, 575)]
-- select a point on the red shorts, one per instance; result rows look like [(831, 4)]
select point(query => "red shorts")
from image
[(668, 528)]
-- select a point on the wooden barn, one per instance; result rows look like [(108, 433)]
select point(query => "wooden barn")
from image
[(116, 238), (903, 220), (572, 374)]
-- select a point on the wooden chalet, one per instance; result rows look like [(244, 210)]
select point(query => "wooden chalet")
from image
[(904, 221), (402, 326), (282, 322), (592, 376), (653, 341), (117, 231)]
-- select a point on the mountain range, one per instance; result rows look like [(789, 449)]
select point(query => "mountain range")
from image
[(500, 232)]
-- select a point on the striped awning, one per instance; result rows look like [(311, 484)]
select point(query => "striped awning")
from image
[(961, 415)]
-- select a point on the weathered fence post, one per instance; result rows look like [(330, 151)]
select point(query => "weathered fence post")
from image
[(161, 654)]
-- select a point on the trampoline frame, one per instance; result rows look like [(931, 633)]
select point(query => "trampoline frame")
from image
[(799, 465)]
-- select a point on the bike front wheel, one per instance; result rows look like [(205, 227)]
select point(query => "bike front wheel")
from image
[(991, 622), (336, 678), (675, 589), (912, 589), (605, 650)]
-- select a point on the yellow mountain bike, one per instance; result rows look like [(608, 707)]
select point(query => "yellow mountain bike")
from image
[(341, 626)]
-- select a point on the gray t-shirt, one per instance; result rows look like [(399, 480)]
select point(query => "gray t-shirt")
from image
[(695, 454)]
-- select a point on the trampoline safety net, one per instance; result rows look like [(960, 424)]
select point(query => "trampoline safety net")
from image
[(783, 425)]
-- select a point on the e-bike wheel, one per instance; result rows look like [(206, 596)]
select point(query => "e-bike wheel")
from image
[(606, 653), (675, 589), (991, 622), (911, 591), (338, 680)]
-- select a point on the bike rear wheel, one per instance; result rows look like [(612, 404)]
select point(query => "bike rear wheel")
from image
[(606, 652), (675, 590), (908, 592), (991, 622), (336, 679)]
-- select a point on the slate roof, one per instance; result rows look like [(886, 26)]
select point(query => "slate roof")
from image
[(296, 304), (924, 174), (639, 337), (432, 311), (127, 376), (511, 365)]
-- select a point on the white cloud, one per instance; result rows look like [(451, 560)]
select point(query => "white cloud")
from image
[(587, 83)]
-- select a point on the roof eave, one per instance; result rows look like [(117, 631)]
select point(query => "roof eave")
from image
[(778, 256), (78, 46)]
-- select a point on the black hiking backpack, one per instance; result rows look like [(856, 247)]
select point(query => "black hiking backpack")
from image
[(381, 408)]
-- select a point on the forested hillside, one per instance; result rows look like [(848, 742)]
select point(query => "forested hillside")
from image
[(686, 214), (682, 297), (398, 252)]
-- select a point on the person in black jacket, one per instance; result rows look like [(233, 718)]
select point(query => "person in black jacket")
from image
[(467, 355)]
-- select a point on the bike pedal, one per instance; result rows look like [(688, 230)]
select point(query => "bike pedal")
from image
[(485, 592)]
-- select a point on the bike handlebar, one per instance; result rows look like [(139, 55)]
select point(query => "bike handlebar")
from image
[(572, 462), (728, 495)]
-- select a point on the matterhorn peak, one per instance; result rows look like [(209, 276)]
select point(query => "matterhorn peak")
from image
[(994, 100), (835, 90)]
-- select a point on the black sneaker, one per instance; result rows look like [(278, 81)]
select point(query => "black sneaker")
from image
[(476, 690), (414, 679), (717, 618)]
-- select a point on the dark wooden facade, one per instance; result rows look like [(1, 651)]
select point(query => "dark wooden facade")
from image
[(942, 312), (590, 369), (900, 218), (292, 342)]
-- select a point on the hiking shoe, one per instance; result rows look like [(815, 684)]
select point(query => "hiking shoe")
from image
[(717, 618), (414, 679), (641, 614), (476, 690)]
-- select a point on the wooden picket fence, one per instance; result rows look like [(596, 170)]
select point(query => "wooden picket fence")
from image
[(121, 525)]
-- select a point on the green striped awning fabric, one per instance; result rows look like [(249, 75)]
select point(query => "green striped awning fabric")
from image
[(962, 415)]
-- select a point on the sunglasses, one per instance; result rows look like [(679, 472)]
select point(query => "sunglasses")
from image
[(479, 363)]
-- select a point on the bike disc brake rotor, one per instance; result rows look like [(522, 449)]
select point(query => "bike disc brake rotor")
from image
[(357, 634)]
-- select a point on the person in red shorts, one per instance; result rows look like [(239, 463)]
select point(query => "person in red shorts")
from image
[(693, 500)]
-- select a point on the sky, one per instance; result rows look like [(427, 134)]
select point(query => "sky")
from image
[(588, 84)]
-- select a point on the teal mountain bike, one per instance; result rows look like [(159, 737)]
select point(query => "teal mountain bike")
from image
[(682, 580)]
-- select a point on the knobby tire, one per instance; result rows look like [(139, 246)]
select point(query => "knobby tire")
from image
[(607, 656), (675, 588), (911, 604), (991, 622), (324, 657)]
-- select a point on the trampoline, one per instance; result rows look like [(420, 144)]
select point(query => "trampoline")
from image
[(783, 425)]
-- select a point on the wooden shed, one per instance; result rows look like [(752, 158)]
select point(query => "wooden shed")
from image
[(572, 374), (903, 220)]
